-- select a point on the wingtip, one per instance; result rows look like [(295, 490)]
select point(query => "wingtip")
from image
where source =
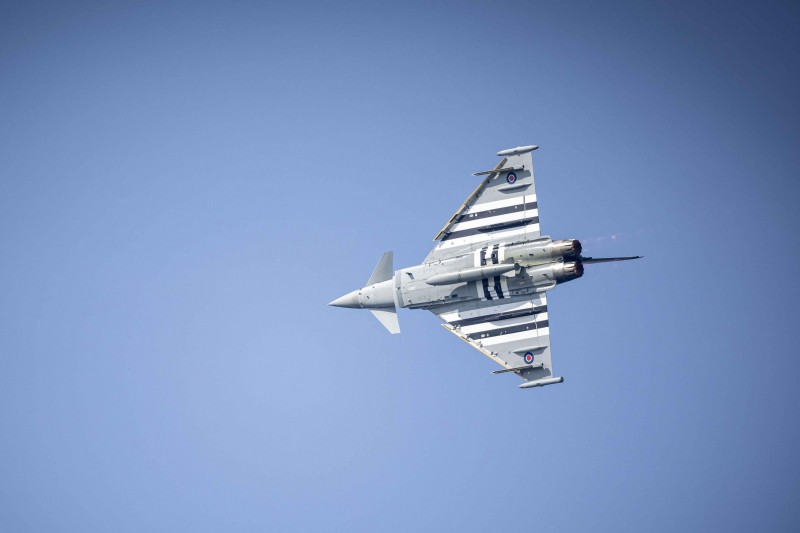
[(518, 150), (541, 382)]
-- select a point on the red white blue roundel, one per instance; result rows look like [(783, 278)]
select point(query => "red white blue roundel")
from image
[(528, 358), (511, 177)]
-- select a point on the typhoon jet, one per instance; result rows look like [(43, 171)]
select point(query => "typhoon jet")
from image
[(488, 276)]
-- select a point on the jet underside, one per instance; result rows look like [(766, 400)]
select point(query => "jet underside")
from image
[(488, 275)]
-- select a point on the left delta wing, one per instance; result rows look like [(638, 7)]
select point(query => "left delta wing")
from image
[(502, 208), (514, 334)]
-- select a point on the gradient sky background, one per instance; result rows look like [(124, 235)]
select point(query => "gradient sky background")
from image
[(186, 186)]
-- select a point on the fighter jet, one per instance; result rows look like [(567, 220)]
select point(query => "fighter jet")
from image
[(488, 276)]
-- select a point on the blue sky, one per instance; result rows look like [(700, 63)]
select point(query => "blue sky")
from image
[(186, 186)]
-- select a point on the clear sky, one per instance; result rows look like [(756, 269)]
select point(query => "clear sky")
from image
[(184, 187)]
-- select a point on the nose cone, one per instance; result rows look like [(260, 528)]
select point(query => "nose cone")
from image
[(348, 300)]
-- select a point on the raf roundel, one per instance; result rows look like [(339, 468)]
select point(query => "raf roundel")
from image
[(528, 358), (511, 178)]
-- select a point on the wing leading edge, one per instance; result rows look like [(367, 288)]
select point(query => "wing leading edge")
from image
[(502, 208)]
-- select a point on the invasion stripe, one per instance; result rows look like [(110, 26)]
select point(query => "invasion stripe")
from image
[(504, 282), (491, 228), (521, 304), (498, 204), (494, 262), (495, 220), (502, 324), (486, 289), (509, 330), (516, 337), (512, 236), (469, 217), (498, 288), (499, 316)]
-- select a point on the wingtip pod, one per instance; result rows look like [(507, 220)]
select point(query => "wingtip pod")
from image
[(517, 150), (541, 382)]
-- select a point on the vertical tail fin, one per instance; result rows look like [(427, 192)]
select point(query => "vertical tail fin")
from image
[(384, 270)]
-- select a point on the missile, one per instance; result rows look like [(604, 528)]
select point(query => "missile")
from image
[(470, 274), (541, 383)]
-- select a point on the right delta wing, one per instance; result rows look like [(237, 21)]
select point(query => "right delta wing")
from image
[(513, 332), (502, 208)]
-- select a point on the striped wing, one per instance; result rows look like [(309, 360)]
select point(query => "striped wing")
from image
[(515, 333), (502, 209)]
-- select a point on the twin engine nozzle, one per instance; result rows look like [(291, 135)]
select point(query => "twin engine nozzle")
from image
[(553, 261), (568, 271), (567, 249)]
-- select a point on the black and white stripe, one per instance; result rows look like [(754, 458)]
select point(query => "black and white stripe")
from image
[(491, 227), (487, 295), (498, 288), (505, 315), (508, 330), (500, 215), (468, 217), (499, 324)]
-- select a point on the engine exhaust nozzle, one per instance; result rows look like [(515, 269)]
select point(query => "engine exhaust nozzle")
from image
[(568, 271), (568, 249)]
